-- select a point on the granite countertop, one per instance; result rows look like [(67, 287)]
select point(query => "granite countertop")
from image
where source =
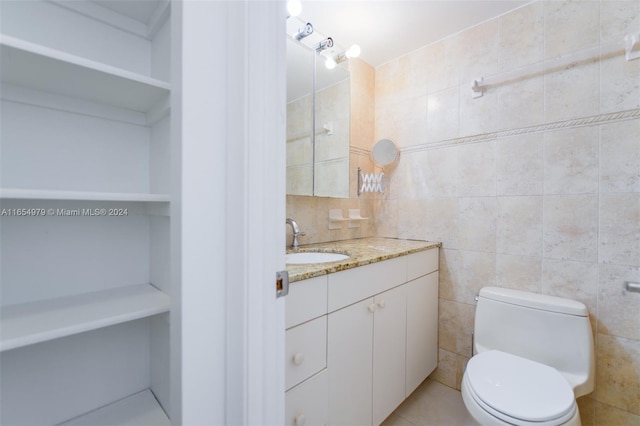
[(362, 251)]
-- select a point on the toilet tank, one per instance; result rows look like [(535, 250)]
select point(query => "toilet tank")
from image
[(551, 330)]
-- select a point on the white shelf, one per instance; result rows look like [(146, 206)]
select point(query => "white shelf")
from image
[(136, 410), (29, 323), (38, 194), (38, 67)]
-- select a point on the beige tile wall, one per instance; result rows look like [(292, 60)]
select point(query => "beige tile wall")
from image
[(520, 196)]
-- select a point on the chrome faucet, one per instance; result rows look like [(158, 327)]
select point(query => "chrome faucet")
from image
[(296, 232)]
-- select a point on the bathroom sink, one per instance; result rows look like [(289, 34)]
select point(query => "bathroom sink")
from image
[(313, 257)]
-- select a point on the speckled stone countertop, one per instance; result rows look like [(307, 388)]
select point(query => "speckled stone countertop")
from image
[(362, 251)]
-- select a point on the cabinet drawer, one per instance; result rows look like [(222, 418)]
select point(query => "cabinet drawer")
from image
[(306, 300), (422, 263), (308, 403), (353, 285), (306, 351)]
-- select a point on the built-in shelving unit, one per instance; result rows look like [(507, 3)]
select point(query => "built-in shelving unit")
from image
[(35, 322), (35, 194), (38, 67), (86, 122), (138, 409)]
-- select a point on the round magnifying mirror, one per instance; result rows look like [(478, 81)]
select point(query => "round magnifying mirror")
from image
[(385, 152)]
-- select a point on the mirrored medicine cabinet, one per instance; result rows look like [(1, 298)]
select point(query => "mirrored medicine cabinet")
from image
[(318, 124)]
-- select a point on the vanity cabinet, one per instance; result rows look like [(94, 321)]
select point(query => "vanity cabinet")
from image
[(422, 329), (307, 403), (366, 361), (306, 379), (306, 350), (350, 364), (381, 339), (389, 352)]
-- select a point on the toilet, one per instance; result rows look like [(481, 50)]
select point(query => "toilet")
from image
[(533, 356)]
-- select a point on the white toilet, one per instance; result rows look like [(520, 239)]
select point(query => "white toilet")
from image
[(533, 356)]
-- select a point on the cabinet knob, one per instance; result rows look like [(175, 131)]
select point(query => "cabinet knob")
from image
[(372, 307), (298, 358), (382, 304), (300, 420)]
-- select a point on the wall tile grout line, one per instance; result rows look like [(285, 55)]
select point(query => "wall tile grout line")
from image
[(564, 124)]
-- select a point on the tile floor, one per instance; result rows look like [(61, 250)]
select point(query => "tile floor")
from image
[(432, 404)]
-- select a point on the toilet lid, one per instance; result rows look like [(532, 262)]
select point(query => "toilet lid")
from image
[(515, 388)]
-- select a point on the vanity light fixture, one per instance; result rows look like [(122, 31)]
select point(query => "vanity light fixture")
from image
[(352, 52), (294, 7), (324, 44), (305, 31)]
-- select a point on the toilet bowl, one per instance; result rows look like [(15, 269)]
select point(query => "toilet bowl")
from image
[(503, 389), (533, 356)]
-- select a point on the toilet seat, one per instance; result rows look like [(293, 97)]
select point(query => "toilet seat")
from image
[(519, 391)]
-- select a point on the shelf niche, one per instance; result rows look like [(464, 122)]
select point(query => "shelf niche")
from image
[(86, 105)]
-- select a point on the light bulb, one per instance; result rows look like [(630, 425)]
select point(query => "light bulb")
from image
[(353, 51), (294, 7), (330, 63)]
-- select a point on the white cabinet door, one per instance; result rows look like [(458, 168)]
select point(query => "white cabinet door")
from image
[(389, 350), (349, 363), (422, 329)]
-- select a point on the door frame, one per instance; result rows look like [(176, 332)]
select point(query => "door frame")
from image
[(228, 112)]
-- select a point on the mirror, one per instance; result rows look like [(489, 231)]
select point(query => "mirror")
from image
[(317, 164), (385, 152), (299, 119)]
